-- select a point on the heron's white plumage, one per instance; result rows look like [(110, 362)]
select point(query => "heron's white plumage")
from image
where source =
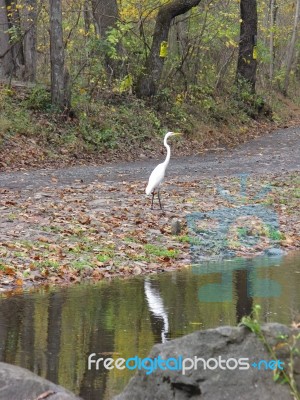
[(159, 171), (156, 178), (158, 174)]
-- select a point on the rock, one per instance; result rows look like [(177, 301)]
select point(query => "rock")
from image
[(87, 271), (18, 383), (274, 252), (175, 227), (217, 384), (137, 270)]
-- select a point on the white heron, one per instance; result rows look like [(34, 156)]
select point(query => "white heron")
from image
[(158, 174)]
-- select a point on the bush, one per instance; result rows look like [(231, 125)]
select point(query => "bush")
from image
[(39, 99)]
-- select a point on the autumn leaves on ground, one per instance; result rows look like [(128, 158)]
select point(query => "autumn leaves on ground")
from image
[(100, 230)]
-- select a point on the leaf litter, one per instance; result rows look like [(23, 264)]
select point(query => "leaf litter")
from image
[(102, 230)]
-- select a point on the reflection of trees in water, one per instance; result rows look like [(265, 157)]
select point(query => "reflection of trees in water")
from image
[(56, 302), (11, 311), (52, 336), (159, 320), (240, 280), (244, 302)]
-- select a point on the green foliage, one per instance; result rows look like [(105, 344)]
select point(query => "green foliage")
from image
[(80, 264), (253, 322), (118, 36), (15, 34), (106, 254), (250, 102), (14, 118), (198, 85), (282, 376), (103, 257), (127, 123), (275, 234), (38, 99)]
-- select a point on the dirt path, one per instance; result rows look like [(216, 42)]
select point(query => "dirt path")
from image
[(275, 152)]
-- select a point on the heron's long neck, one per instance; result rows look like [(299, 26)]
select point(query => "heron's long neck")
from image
[(168, 152)]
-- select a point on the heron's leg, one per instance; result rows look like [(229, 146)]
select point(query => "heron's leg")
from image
[(152, 200), (159, 199)]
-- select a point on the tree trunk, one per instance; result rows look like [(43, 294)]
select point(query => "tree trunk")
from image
[(178, 41), (87, 16), (14, 22), (247, 64), (273, 15), (291, 50), (106, 14), (57, 57), (29, 41), (6, 60), (148, 82), (18, 51), (297, 71)]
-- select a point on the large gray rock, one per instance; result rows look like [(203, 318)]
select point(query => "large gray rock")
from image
[(217, 384), (18, 383)]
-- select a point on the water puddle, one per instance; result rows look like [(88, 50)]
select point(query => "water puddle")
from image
[(52, 331)]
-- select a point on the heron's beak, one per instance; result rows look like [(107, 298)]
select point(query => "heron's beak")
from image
[(178, 133)]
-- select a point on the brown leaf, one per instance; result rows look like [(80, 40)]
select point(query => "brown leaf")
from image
[(9, 271), (19, 282), (97, 275), (84, 219), (43, 239)]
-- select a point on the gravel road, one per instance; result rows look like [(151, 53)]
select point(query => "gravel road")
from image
[(277, 152)]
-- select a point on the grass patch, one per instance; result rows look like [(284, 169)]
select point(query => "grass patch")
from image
[(80, 264), (103, 257), (157, 251), (189, 239), (47, 264), (275, 234), (2, 267)]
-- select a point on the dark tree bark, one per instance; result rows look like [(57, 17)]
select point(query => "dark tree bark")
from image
[(148, 82), (273, 17), (291, 49), (18, 46), (6, 60), (29, 41), (247, 63), (106, 14), (14, 21), (12, 57), (88, 16), (59, 90), (244, 302)]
